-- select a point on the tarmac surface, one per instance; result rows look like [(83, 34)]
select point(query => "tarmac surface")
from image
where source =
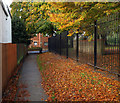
[(30, 81)]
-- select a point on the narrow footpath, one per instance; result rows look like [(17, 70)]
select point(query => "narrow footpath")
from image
[(30, 81)]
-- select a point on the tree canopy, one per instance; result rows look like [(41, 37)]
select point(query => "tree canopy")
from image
[(19, 34), (46, 17), (34, 16)]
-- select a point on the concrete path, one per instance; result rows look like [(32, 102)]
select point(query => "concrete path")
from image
[(30, 81)]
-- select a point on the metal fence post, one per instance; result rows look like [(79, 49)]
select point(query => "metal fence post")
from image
[(119, 52), (60, 43), (67, 45), (95, 44), (49, 44), (55, 44), (77, 47)]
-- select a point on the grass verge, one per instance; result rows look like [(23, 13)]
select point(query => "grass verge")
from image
[(39, 63)]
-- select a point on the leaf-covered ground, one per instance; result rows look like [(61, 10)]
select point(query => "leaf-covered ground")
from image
[(12, 87), (13, 90), (65, 80)]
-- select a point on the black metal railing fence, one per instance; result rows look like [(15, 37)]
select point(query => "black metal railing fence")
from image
[(98, 45)]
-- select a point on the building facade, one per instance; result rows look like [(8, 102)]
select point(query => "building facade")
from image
[(39, 40), (5, 24)]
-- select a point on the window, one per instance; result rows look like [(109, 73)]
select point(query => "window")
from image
[(45, 43), (35, 43)]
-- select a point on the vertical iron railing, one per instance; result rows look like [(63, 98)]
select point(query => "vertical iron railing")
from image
[(102, 51), (95, 44), (67, 47), (60, 43), (77, 47), (119, 51)]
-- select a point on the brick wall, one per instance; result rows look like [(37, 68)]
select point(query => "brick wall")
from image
[(44, 40), (41, 41), (35, 39)]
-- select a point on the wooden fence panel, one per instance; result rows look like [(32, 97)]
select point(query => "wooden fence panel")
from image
[(9, 62)]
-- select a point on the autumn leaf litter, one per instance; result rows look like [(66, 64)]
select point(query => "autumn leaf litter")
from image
[(65, 80)]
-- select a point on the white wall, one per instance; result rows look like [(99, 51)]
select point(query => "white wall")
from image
[(0, 23), (5, 26), (0, 54)]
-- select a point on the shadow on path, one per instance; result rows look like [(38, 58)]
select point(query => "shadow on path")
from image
[(30, 81)]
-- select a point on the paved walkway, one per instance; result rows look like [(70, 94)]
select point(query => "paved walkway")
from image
[(30, 81)]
